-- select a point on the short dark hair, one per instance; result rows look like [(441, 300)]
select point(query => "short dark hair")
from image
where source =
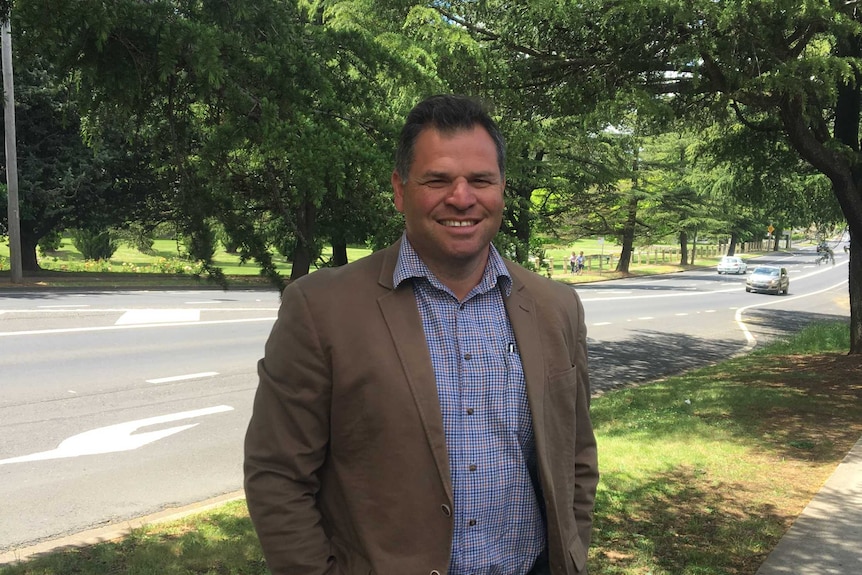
[(446, 113)]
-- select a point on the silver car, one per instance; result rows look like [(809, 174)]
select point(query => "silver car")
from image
[(769, 279), (731, 265)]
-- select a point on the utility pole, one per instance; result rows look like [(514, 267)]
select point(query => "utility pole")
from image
[(11, 155)]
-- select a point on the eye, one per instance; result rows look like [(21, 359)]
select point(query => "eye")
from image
[(436, 183)]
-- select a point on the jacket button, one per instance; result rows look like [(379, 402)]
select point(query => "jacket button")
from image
[(434, 572), (446, 511)]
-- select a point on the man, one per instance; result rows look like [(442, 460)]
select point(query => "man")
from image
[(425, 410)]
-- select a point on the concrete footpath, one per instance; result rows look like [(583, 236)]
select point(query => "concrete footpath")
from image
[(826, 539)]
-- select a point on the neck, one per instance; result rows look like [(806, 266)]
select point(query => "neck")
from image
[(460, 277)]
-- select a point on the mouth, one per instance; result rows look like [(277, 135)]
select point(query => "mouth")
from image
[(458, 223)]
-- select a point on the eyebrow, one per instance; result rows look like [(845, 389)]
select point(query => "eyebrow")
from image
[(435, 174)]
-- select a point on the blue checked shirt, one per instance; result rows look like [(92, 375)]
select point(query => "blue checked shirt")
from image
[(498, 526)]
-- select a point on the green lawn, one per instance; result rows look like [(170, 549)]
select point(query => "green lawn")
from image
[(166, 257), (601, 263)]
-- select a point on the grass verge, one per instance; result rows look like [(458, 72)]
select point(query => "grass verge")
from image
[(165, 267), (701, 473)]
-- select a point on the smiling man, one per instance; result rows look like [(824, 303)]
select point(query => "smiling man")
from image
[(426, 409)]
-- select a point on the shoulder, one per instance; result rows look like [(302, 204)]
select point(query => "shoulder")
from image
[(367, 274)]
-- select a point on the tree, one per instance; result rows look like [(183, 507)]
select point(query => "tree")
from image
[(789, 66), (58, 174)]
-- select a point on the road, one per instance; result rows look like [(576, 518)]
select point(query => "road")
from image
[(115, 405)]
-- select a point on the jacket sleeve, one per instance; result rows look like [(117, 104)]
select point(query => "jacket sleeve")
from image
[(586, 459), (286, 444)]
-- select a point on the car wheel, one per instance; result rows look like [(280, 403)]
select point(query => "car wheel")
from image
[(748, 289)]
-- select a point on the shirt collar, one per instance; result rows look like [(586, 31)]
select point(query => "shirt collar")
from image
[(410, 265)]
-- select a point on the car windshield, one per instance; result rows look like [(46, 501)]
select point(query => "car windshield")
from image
[(766, 271)]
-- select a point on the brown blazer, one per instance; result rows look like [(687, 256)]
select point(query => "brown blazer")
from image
[(346, 469)]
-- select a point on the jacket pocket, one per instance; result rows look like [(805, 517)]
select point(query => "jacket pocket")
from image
[(564, 380)]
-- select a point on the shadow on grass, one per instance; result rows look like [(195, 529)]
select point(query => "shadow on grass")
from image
[(680, 521)]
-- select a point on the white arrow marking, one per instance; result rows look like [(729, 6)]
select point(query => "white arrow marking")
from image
[(117, 437), (135, 316)]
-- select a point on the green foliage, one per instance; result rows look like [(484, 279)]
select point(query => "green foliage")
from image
[(140, 237), (95, 244), (200, 244), (50, 242)]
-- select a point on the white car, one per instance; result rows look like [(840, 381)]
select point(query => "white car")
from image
[(732, 265)]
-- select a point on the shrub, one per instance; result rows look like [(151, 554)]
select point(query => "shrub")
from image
[(139, 237), (94, 245), (200, 244), (50, 242)]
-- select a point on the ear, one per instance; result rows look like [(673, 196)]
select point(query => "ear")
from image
[(398, 189)]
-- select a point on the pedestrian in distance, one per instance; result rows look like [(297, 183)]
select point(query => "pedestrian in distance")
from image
[(580, 263), (425, 410), (573, 263)]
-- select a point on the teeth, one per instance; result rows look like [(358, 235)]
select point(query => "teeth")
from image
[(457, 224)]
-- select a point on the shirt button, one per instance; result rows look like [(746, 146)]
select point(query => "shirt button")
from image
[(468, 356), (472, 467), (469, 411), (471, 523), (446, 511)]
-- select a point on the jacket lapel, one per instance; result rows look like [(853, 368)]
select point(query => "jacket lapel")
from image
[(398, 307), (522, 315)]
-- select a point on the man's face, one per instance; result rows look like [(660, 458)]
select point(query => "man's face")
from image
[(453, 199)]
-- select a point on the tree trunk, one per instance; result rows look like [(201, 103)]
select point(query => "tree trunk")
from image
[(628, 237), (683, 248), (29, 245), (775, 239), (843, 170), (694, 248), (731, 247), (855, 282), (339, 252), (303, 251)]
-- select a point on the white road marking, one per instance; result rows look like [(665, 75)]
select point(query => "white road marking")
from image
[(137, 326), (602, 323), (214, 302), (67, 305), (136, 316), (647, 317), (183, 377), (682, 313), (119, 437)]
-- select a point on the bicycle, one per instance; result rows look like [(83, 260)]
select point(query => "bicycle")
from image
[(825, 257)]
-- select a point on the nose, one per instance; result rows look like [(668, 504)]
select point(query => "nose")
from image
[(461, 195)]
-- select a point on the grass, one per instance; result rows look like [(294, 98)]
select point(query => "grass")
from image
[(164, 267), (701, 473)]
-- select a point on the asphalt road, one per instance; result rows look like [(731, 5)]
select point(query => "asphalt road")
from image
[(115, 405)]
